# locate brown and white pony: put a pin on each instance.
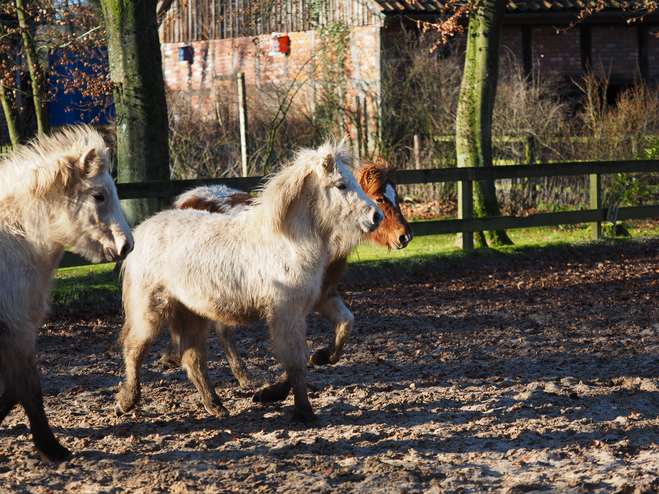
(378, 179)
(55, 192)
(263, 262)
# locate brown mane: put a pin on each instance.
(374, 175)
(213, 206)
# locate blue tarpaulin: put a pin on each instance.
(71, 107)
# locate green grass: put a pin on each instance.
(428, 248)
(97, 287)
(87, 287)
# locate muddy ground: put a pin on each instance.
(535, 372)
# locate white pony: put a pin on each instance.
(55, 192)
(265, 262)
(378, 180)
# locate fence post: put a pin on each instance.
(595, 203)
(417, 151)
(466, 211)
(242, 111)
(529, 149)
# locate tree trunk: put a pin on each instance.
(12, 116)
(8, 99)
(38, 78)
(476, 104)
(139, 98)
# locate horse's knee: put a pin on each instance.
(227, 339)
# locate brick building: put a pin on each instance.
(206, 42)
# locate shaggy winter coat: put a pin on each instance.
(265, 262)
(54, 193)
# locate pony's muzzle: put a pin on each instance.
(123, 248)
(126, 249)
(403, 240)
(376, 220)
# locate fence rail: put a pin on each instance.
(466, 223)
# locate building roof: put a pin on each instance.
(434, 7)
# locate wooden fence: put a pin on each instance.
(465, 177)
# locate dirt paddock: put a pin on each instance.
(524, 373)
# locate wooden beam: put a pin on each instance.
(595, 203)
(440, 227)
(466, 212)
(525, 171)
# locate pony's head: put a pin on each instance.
(378, 179)
(66, 176)
(320, 180)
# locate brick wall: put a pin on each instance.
(210, 77)
(614, 47)
(653, 51)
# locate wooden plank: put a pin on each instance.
(526, 171)
(466, 212)
(595, 203)
(440, 227)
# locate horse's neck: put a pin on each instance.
(309, 225)
(33, 221)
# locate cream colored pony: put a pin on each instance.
(54, 193)
(378, 180)
(265, 262)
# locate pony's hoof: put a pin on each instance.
(54, 453)
(307, 417)
(245, 380)
(321, 357)
(169, 361)
(275, 392)
(217, 410)
(118, 411)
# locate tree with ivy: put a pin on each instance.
(139, 98)
(473, 126)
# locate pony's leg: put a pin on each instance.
(141, 328)
(171, 359)
(18, 372)
(334, 310)
(290, 347)
(228, 341)
(31, 397)
(274, 392)
(194, 331)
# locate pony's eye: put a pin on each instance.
(341, 186)
(98, 197)
(380, 200)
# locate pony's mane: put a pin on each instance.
(284, 187)
(375, 175)
(51, 159)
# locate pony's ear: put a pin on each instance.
(90, 163)
(329, 165)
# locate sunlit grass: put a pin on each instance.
(523, 238)
(87, 286)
